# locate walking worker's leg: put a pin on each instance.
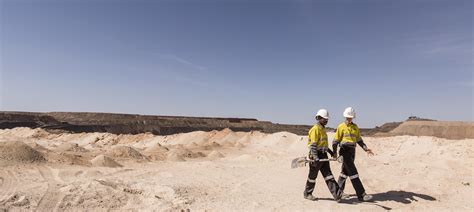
(353, 174)
(343, 176)
(330, 181)
(311, 181)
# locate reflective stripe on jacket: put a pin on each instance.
(347, 133)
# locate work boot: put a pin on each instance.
(310, 197)
(341, 197)
(365, 197)
(345, 196)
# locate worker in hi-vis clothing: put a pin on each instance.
(347, 136)
(318, 148)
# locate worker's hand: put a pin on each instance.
(313, 158)
(369, 152)
(313, 152)
(313, 155)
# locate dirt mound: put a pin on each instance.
(70, 147)
(104, 161)
(157, 148)
(69, 158)
(215, 155)
(40, 148)
(126, 152)
(174, 156)
(18, 151)
(210, 145)
(185, 152)
(380, 131)
(441, 129)
(157, 152)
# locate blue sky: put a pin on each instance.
(272, 60)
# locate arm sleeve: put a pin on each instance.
(313, 136)
(359, 137)
(334, 149)
(336, 140)
(362, 144)
(313, 147)
(360, 141)
(337, 136)
(313, 139)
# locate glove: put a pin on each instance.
(313, 154)
(334, 147)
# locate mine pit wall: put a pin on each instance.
(135, 124)
(167, 125)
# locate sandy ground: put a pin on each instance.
(222, 171)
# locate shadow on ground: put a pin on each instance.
(404, 197)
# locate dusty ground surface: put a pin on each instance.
(222, 171)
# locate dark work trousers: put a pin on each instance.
(325, 169)
(349, 170)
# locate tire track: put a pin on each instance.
(52, 197)
(7, 186)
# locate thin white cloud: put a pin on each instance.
(181, 61)
(444, 49)
(440, 44)
(182, 77)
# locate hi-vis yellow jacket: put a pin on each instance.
(347, 133)
(317, 136)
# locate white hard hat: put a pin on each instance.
(323, 113)
(349, 113)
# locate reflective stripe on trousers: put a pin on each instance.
(349, 170)
(354, 176)
(329, 177)
(350, 177)
(325, 170)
